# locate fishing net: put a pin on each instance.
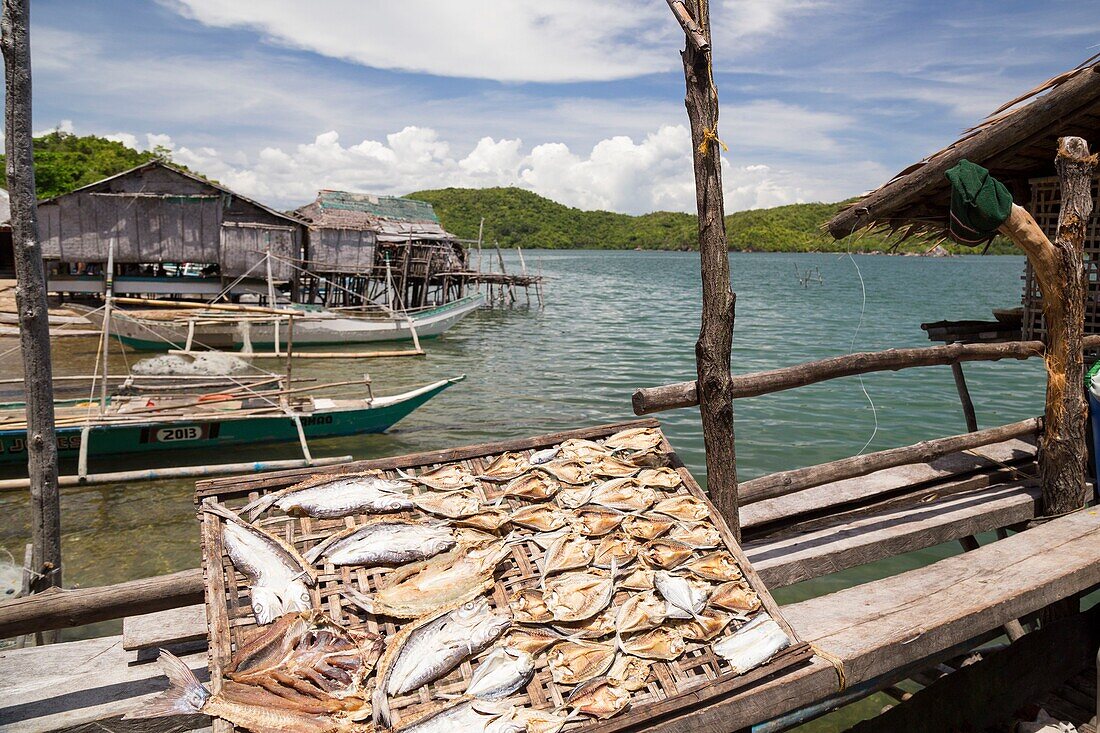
(213, 364)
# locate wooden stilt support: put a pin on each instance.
(964, 397)
(712, 350)
(30, 296)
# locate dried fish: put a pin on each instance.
(623, 494)
(450, 504)
(662, 643)
(634, 439)
(328, 497)
(601, 698)
(529, 607)
(596, 521)
(487, 519)
(573, 662)
(574, 497)
(277, 575)
(640, 577)
(445, 580)
(659, 478)
(542, 517)
(753, 644)
(383, 542)
(534, 486)
(506, 467)
(611, 467)
(501, 673)
(577, 596)
(519, 719)
(430, 647)
(449, 477)
(736, 595)
(704, 626)
(642, 527)
(683, 506)
(687, 599)
(602, 624)
(615, 549)
(531, 639)
(665, 553)
(545, 455)
(697, 535)
(586, 450)
(718, 565)
(568, 470)
(630, 673)
(568, 552)
(447, 717)
(641, 612)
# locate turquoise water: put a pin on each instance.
(615, 321)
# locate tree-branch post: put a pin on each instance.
(1059, 270)
(30, 295)
(712, 350)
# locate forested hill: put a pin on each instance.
(514, 216)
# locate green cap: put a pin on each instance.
(979, 204)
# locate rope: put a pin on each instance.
(855, 335)
(709, 136)
(838, 666)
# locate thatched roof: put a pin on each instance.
(1016, 143)
(391, 218)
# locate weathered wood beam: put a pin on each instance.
(60, 609)
(712, 350)
(788, 482)
(30, 295)
(691, 29)
(648, 400)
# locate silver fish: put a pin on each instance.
(448, 717)
(384, 542)
(501, 673)
(329, 497)
(753, 644)
(685, 599)
(278, 576)
(546, 455)
(429, 648)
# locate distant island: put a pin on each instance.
(514, 216)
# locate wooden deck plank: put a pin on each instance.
(164, 628)
(786, 560)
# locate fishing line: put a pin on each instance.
(855, 335)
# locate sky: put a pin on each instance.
(578, 101)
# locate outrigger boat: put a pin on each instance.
(147, 423)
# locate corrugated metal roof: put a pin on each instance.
(393, 208)
(392, 218)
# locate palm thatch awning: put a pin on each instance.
(1016, 143)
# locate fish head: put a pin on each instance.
(488, 628)
(267, 605)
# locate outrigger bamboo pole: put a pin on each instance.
(30, 295)
(712, 350)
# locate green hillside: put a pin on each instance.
(514, 217)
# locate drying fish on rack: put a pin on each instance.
(585, 450)
(737, 596)
(531, 639)
(450, 477)
(697, 535)
(682, 506)
(568, 470)
(641, 612)
(665, 553)
(643, 527)
(601, 698)
(634, 439)
(577, 596)
(573, 662)
(596, 521)
(685, 599)
(663, 643)
(541, 517)
(753, 644)
(534, 486)
(568, 552)
(490, 519)
(545, 455)
(278, 576)
(502, 672)
(615, 549)
(329, 497)
(457, 504)
(704, 626)
(611, 467)
(505, 467)
(659, 478)
(529, 607)
(639, 577)
(718, 565)
(389, 542)
(630, 673)
(447, 717)
(574, 497)
(432, 646)
(623, 494)
(600, 625)
(444, 580)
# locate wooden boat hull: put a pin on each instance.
(223, 430)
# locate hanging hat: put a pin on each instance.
(979, 204)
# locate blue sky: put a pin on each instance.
(579, 101)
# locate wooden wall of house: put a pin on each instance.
(346, 251)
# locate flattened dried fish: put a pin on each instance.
(501, 673)
(568, 552)
(586, 450)
(602, 624)
(487, 519)
(528, 720)
(700, 536)
(665, 553)
(638, 578)
(545, 455)
(596, 521)
(659, 478)
(683, 506)
(542, 517)
(447, 717)
(623, 494)
(601, 698)
(705, 626)
(430, 647)
(531, 639)
(630, 673)
(753, 644)
(450, 477)
(642, 527)
(506, 467)
(641, 612)
(383, 542)
(616, 549)
(573, 662)
(450, 504)
(718, 565)
(445, 580)
(662, 643)
(328, 497)
(277, 575)
(634, 439)
(611, 467)
(577, 596)
(534, 486)
(568, 470)
(736, 595)
(573, 497)
(529, 607)
(687, 599)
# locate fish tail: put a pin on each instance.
(380, 707)
(185, 694)
(360, 599)
(220, 510)
(259, 506)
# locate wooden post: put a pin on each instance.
(1059, 270)
(30, 295)
(964, 396)
(712, 350)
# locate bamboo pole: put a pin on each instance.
(193, 305)
(712, 350)
(30, 295)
